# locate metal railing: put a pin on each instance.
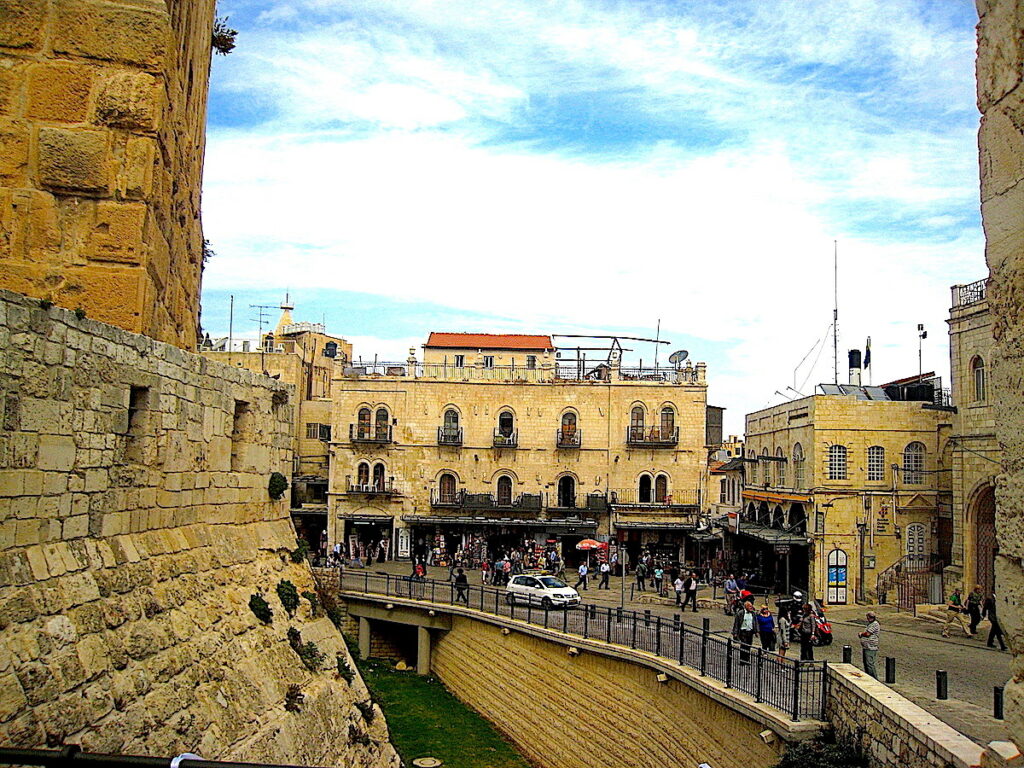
(566, 439)
(449, 435)
(631, 497)
(488, 501)
(652, 437)
(505, 440)
(372, 488)
(71, 755)
(911, 580)
(555, 370)
(792, 686)
(972, 293)
(369, 433)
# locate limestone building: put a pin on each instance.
(843, 485)
(975, 451)
(302, 354)
(494, 442)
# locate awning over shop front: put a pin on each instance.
(546, 524)
(309, 510)
(703, 536)
(648, 525)
(383, 519)
(777, 498)
(772, 535)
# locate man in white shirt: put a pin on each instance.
(583, 576)
(606, 571)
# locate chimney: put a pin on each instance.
(855, 367)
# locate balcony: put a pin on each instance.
(506, 439)
(566, 439)
(652, 437)
(449, 435)
(486, 502)
(972, 293)
(370, 433)
(378, 488)
(446, 499)
(632, 497)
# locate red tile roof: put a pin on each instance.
(488, 341)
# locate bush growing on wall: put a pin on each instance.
(261, 609)
(288, 595)
(822, 752)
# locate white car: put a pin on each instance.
(545, 591)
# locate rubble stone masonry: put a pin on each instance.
(102, 133)
(1000, 70)
(135, 524)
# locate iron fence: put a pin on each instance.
(792, 686)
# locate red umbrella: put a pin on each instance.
(588, 544)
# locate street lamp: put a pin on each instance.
(862, 528)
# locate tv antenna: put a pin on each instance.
(677, 358)
(262, 311)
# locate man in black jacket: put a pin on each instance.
(996, 632)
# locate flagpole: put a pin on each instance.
(835, 311)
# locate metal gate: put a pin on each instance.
(985, 540)
(837, 577)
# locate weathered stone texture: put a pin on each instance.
(133, 531)
(101, 102)
(1001, 101)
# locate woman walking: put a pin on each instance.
(766, 628)
(784, 625)
(807, 626)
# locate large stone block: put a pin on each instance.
(13, 153)
(112, 294)
(117, 233)
(107, 31)
(128, 100)
(21, 23)
(74, 160)
(59, 92)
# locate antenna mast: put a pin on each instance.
(657, 338)
(835, 311)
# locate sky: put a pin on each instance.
(586, 166)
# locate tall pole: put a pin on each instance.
(657, 338)
(231, 326)
(835, 311)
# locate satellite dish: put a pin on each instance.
(676, 358)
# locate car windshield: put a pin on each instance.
(551, 581)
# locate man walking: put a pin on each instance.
(996, 632)
(690, 592)
(679, 585)
(641, 576)
(807, 626)
(743, 630)
(955, 612)
(582, 571)
(606, 571)
(461, 587)
(974, 601)
(869, 644)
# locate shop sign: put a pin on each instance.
(882, 522)
(734, 522)
(782, 549)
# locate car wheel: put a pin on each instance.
(510, 598)
(546, 604)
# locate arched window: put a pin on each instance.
(363, 474)
(978, 374)
(668, 422)
(378, 476)
(766, 466)
(780, 468)
(644, 490)
(636, 424)
(506, 423)
(451, 419)
(505, 491)
(447, 488)
(381, 424)
(798, 466)
(753, 467)
(876, 463)
(837, 462)
(913, 464)
(569, 423)
(661, 489)
(567, 491)
(363, 426)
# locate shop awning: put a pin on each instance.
(648, 525)
(546, 524)
(777, 498)
(772, 535)
(703, 536)
(384, 519)
(309, 510)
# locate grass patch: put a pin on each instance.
(425, 719)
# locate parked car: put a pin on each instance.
(545, 591)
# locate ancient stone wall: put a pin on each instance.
(135, 525)
(1000, 71)
(102, 120)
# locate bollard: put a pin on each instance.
(890, 670)
(847, 654)
(997, 702)
(941, 685)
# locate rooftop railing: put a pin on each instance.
(556, 371)
(972, 293)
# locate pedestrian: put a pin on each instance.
(679, 585)
(485, 570)
(506, 571)
(731, 591)
(869, 644)
(807, 626)
(461, 586)
(743, 626)
(582, 570)
(989, 610)
(606, 571)
(689, 592)
(974, 601)
(785, 628)
(955, 613)
(420, 572)
(659, 579)
(641, 576)
(766, 628)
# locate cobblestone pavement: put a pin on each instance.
(916, 644)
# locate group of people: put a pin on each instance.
(775, 632)
(977, 606)
(497, 571)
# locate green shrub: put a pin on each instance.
(311, 656)
(277, 485)
(314, 603)
(261, 608)
(822, 752)
(288, 595)
(293, 698)
(366, 708)
(345, 671)
(301, 551)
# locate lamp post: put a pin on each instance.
(862, 528)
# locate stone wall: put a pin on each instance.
(591, 709)
(135, 524)
(1001, 143)
(890, 729)
(102, 120)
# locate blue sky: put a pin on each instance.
(577, 166)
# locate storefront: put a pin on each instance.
(368, 537)
(666, 542)
(311, 526)
(778, 558)
(442, 540)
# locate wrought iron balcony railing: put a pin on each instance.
(972, 293)
(506, 439)
(633, 497)
(486, 501)
(378, 488)
(652, 437)
(565, 438)
(439, 498)
(449, 435)
(370, 433)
